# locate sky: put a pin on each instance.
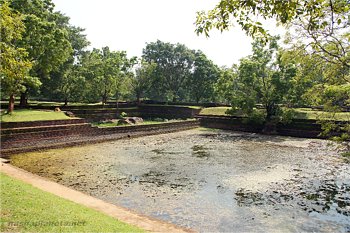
(129, 24)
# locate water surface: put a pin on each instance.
(211, 180)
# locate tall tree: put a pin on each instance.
(14, 66)
(106, 71)
(45, 40)
(174, 66)
(224, 85)
(261, 79)
(65, 81)
(141, 81)
(318, 27)
(205, 75)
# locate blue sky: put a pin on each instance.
(128, 25)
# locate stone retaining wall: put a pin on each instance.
(82, 134)
(297, 128)
(10, 125)
(169, 112)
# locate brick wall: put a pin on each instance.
(10, 125)
(20, 141)
(297, 128)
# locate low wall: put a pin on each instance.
(83, 134)
(169, 112)
(228, 123)
(97, 113)
(10, 125)
(297, 128)
(145, 128)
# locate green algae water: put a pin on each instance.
(211, 181)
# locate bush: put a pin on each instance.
(256, 117)
(122, 115)
(287, 115)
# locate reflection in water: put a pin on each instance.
(211, 181)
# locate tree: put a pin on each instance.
(14, 66)
(261, 79)
(174, 66)
(67, 81)
(224, 85)
(318, 27)
(141, 81)
(105, 72)
(45, 39)
(249, 13)
(205, 74)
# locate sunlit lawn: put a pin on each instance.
(307, 113)
(32, 115)
(25, 208)
(220, 111)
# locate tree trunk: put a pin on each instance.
(104, 100)
(24, 100)
(138, 96)
(11, 106)
(65, 102)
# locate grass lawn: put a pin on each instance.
(52, 103)
(25, 208)
(220, 111)
(307, 113)
(32, 115)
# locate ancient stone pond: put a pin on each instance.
(211, 180)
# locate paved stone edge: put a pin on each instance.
(120, 213)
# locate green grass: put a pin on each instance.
(220, 111)
(32, 115)
(307, 113)
(25, 208)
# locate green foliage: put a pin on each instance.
(45, 40)
(261, 79)
(67, 82)
(256, 117)
(180, 73)
(224, 85)
(142, 80)
(287, 115)
(174, 65)
(205, 75)
(316, 13)
(14, 65)
(106, 73)
(123, 114)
